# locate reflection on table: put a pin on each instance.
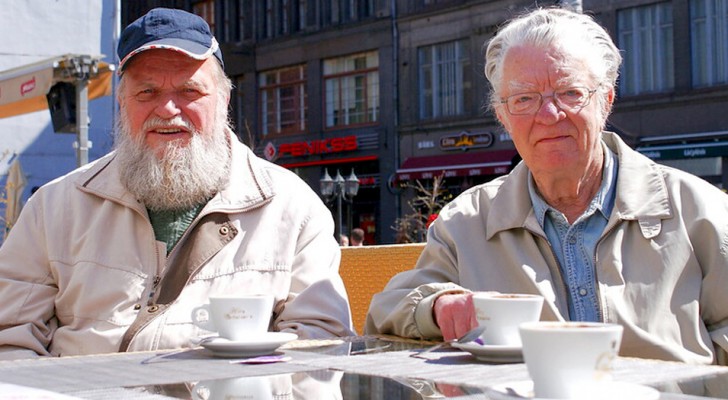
(351, 369)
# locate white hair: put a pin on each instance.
(555, 27)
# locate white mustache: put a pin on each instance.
(178, 121)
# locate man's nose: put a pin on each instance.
(550, 111)
(168, 107)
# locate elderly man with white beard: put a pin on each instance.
(115, 255)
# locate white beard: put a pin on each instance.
(176, 177)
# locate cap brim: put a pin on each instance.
(186, 47)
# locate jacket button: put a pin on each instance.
(153, 309)
(224, 230)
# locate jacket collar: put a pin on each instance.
(641, 194)
(249, 183)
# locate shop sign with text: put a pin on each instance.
(311, 148)
(466, 140)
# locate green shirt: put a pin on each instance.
(170, 225)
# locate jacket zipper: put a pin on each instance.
(155, 285)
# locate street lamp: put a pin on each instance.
(341, 189)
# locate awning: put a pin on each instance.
(693, 145)
(451, 165)
(680, 151)
(23, 89)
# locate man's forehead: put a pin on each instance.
(162, 59)
(184, 71)
(557, 76)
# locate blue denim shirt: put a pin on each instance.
(575, 245)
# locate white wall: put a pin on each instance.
(34, 30)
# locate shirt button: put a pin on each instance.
(137, 306)
(582, 292)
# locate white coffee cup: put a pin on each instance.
(502, 313)
(252, 387)
(235, 317)
(565, 358)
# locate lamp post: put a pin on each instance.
(342, 190)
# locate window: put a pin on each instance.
(231, 27)
(645, 37)
(445, 83)
(300, 13)
(335, 12)
(352, 90)
(283, 101)
(206, 10)
(709, 41)
(269, 18)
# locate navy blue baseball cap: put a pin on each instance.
(169, 29)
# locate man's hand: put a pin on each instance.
(455, 314)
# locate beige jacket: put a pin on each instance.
(662, 262)
(81, 271)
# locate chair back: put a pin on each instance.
(365, 271)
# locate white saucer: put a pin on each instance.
(257, 345)
(599, 391)
(492, 353)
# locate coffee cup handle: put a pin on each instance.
(203, 311)
(199, 387)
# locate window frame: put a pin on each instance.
(708, 52)
(371, 99)
(436, 102)
(649, 56)
(299, 123)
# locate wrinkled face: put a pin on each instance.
(172, 133)
(167, 96)
(553, 139)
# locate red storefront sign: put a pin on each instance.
(312, 147)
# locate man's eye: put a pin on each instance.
(524, 98)
(145, 94)
(191, 93)
(573, 93)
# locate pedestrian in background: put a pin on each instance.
(357, 237)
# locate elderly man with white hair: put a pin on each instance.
(601, 232)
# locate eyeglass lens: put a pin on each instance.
(529, 103)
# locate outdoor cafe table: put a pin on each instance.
(362, 367)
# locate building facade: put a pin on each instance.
(393, 90)
(673, 89)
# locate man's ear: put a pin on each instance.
(608, 102)
(610, 97)
(502, 117)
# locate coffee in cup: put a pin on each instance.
(235, 317)
(565, 358)
(502, 313)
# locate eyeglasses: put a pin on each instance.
(529, 103)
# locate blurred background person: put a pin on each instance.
(357, 237)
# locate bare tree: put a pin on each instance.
(424, 208)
